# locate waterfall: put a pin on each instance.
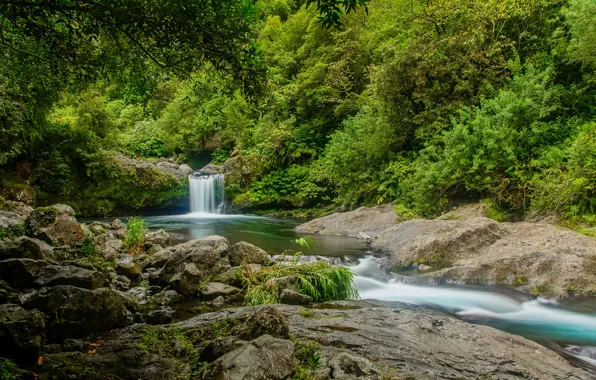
(207, 193)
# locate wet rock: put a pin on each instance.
(265, 358)
(128, 266)
(217, 289)
(120, 282)
(22, 334)
(55, 225)
(139, 293)
(26, 247)
(292, 297)
(187, 269)
(366, 220)
(159, 237)
(243, 252)
(73, 312)
(424, 268)
(70, 345)
(167, 297)
(346, 366)
(266, 320)
(21, 273)
(160, 317)
(219, 301)
(291, 260)
(52, 275)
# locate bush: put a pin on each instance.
(148, 139)
(135, 235)
(319, 280)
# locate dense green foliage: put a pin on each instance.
(420, 103)
(135, 234)
(319, 280)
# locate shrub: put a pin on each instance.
(135, 235)
(319, 280)
(8, 370)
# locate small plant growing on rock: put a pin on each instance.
(8, 369)
(135, 235)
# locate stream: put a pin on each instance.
(568, 327)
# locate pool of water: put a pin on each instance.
(272, 235)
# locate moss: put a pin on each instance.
(520, 281)
(12, 231)
(169, 342)
(541, 290)
(305, 313)
(494, 212)
(573, 290)
(308, 355)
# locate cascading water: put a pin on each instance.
(207, 194)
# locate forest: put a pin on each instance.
(426, 104)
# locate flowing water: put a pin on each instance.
(207, 193)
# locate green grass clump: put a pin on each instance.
(8, 370)
(135, 235)
(320, 280)
(308, 354)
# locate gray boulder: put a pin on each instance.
(18, 208)
(364, 220)
(243, 252)
(216, 289)
(21, 273)
(22, 334)
(26, 247)
(157, 259)
(159, 237)
(211, 169)
(187, 269)
(127, 265)
(292, 297)
(11, 224)
(266, 320)
(265, 358)
(52, 275)
(165, 298)
(346, 366)
(73, 312)
(55, 225)
(217, 243)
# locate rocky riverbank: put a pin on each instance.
(466, 247)
(75, 303)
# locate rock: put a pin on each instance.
(187, 269)
(157, 260)
(211, 169)
(436, 242)
(370, 221)
(469, 211)
(110, 247)
(266, 320)
(117, 224)
(217, 289)
(160, 317)
(165, 298)
(291, 260)
(537, 257)
(291, 297)
(11, 224)
(120, 282)
(346, 366)
(128, 266)
(52, 275)
(265, 358)
(7, 294)
(70, 345)
(26, 247)
(159, 237)
(75, 312)
(21, 273)
(139, 293)
(219, 301)
(218, 243)
(19, 208)
(219, 347)
(22, 334)
(230, 276)
(55, 225)
(53, 348)
(424, 268)
(243, 252)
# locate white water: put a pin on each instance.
(539, 319)
(206, 194)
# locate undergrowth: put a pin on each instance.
(319, 280)
(8, 370)
(135, 235)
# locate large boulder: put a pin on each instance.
(75, 312)
(18, 208)
(22, 334)
(211, 169)
(187, 270)
(218, 243)
(21, 273)
(157, 260)
(52, 275)
(128, 266)
(243, 252)
(347, 367)
(363, 221)
(266, 320)
(159, 237)
(26, 247)
(55, 224)
(265, 358)
(216, 289)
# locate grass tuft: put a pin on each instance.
(135, 235)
